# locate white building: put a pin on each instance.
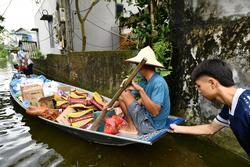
(102, 32)
(24, 35)
(12, 38)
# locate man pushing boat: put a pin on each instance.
(151, 110)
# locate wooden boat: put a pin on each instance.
(119, 139)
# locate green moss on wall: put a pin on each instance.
(95, 71)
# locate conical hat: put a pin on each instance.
(149, 54)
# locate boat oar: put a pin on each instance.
(98, 120)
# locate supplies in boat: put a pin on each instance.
(46, 101)
(113, 124)
(74, 107)
(80, 118)
(43, 111)
(77, 107)
(63, 117)
(32, 93)
(79, 114)
(76, 119)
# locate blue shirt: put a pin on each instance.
(21, 55)
(238, 118)
(157, 90)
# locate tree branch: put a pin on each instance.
(90, 8)
(78, 11)
(152, 17)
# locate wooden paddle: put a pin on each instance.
(98, 120)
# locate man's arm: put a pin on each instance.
(26, 57)
(152, 107)
(206, 129)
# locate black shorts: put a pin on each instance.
(29, 70)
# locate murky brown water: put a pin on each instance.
(27, 141)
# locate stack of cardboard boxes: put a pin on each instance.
(32, 93)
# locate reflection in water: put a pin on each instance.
(16, 144)
(22, 138)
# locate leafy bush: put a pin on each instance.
(37, 54)
(163, 51)
(3, 52)
(156, 35)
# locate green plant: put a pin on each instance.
(3, 52)
(163, 51)
(36, 54)
(151, 27)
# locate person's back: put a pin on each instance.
(29, 63)
(25, 63)
(21, 57)
(237, 117)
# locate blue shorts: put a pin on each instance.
(139, 118)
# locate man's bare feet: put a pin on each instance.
(130, 129)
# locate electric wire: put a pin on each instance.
(7, 8)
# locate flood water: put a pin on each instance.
(28, 141)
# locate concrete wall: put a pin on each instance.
(94, 71)
(101, 28)
(43, 28)
(205, 29)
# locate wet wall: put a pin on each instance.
(94, 71)
(203, 29)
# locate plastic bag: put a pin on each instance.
(112, 124)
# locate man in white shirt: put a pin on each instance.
(25, 62)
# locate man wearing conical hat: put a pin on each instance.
(150, 112)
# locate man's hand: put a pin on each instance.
(130, 88)
(136, 86)
(174, 128)
(105, 107)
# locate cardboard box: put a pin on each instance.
(32, 93)
(63, 118)
(46, 101)
(64, 88)
(30, 86)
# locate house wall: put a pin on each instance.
(205, 29)
(99, 27)
(13, 37)
(43, 28)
